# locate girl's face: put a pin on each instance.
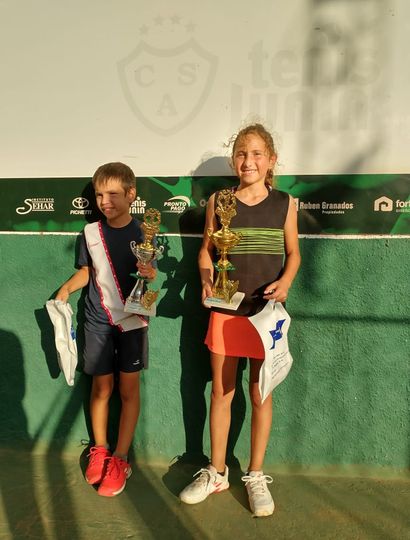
(251, 159)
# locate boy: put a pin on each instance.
(114, 340)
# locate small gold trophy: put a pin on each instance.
(138, 301)
(224, 291)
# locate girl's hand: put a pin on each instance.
(278, 291)
(206, 292)
(146, 270)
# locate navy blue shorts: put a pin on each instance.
(115, 351)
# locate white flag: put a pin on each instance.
(60, 314)
(272, 325)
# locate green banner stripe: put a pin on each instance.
(351, 204)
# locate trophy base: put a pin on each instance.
(139, 309)
(236, 299)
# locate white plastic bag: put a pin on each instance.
(272, 325)
(60, 314)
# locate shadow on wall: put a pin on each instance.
(183, 278)
(206, 180)
(95, 214)
(25, 519)
(344, 80)
(213, 166)
(14, 430)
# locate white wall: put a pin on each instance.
(161, 85)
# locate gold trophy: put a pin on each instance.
(224, 291)
(139, 301)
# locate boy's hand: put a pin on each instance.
(147, 270)
(62, 294)
(77, 281)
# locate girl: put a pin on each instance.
(266, 261)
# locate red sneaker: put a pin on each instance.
(116, 476)
(97, 464)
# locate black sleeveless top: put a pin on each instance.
(258, 257)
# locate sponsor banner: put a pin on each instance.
(326, 204)
(351, 204)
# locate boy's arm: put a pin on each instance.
(77, 281)
(147, 270)
(205, 260)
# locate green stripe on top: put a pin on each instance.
(259, 240)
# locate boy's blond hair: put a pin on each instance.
(115, 170)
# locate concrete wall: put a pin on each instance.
(345, 402)
(162, 86)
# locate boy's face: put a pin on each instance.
(113, 201)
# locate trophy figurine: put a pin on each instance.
(140, 302)
(224, 291)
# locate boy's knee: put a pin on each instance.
(129, 387)
(102, 387)
(102, 392)
(129, 396)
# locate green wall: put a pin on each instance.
(345, 402)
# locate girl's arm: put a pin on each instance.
(205, 257)
(278, 290)
(77, 281)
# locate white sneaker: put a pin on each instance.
(260, 499)
(208, 481)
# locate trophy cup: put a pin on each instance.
(224, 291)
(140, 302)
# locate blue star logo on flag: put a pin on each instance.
(277, 334)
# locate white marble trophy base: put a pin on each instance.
(134, 307)
(236, 299)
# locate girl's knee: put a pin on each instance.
(221, 396)
(256, 400)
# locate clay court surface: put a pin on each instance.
(46, 497)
